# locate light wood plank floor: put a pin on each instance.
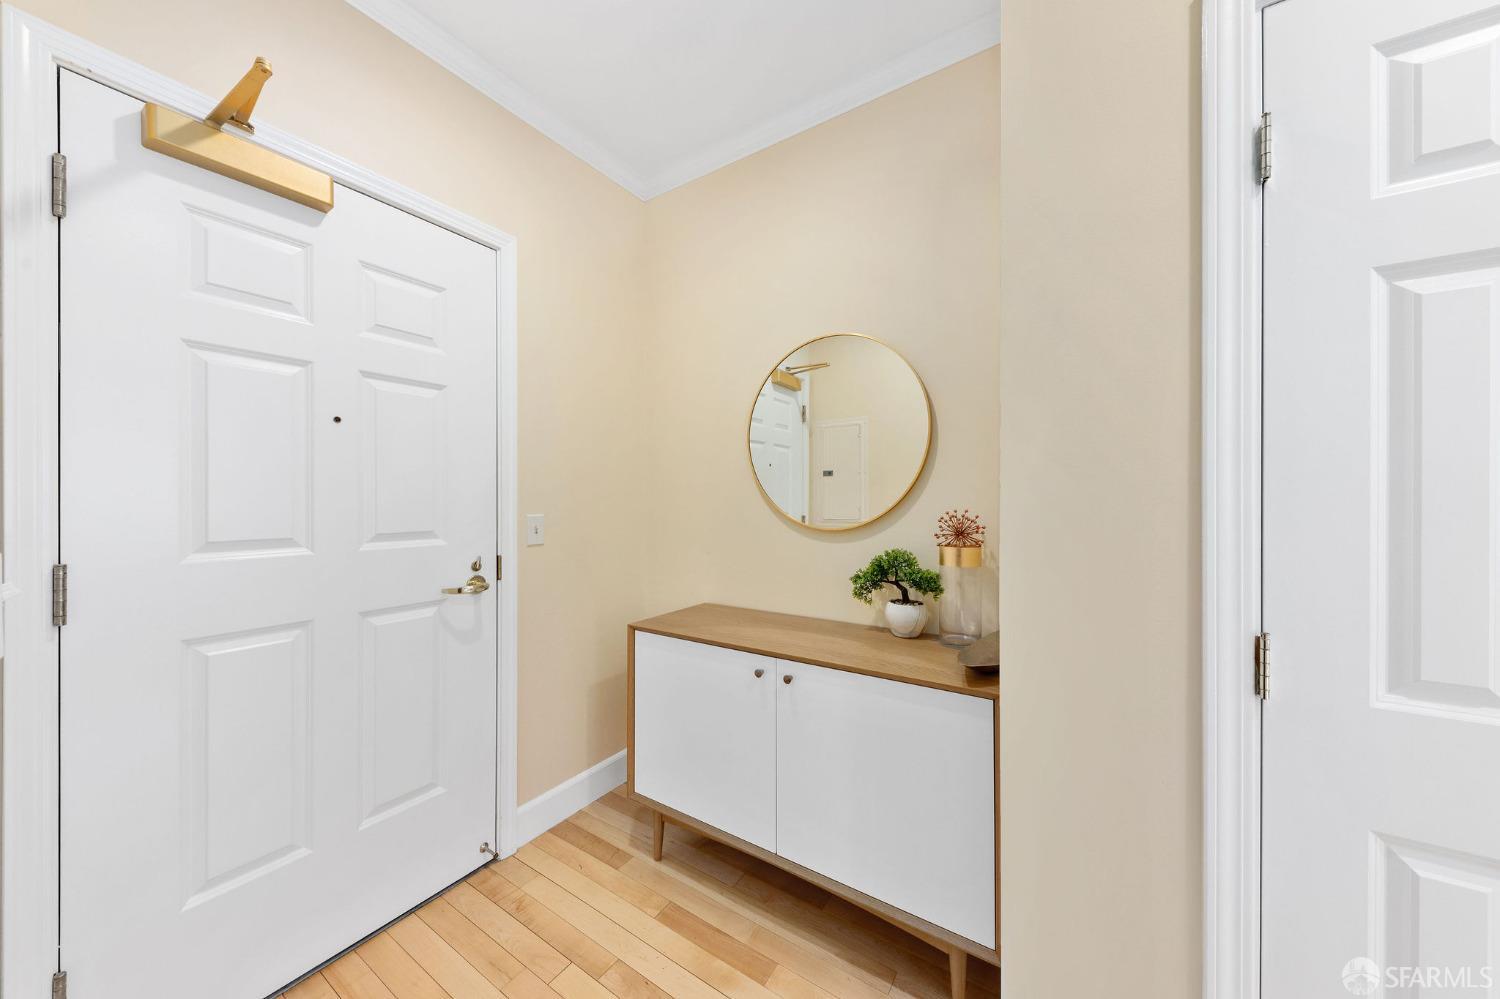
(583, 912)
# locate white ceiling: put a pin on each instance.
(655, 93)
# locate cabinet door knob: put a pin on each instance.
(787, 678)
(759, 673)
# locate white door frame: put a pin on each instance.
(31, 52)
(1231, 375)
(804, 399)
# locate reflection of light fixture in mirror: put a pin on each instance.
(838, 451)
(786, 381)
(787, 377)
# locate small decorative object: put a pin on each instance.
(897, 567)
(984, 655)
(959, 530)
(960, 538)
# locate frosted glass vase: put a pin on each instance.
(961, 607)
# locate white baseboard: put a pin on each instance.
(551, 807)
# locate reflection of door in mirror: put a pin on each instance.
(779, 446)
(840, 468)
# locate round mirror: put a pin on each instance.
(839, 432)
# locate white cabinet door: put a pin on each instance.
(705, 734)
(889, 788)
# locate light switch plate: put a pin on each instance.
(536, 529)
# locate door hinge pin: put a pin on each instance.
(59, 595)
(59, 185)
(1263, 149)
(1263, 665)
(485, 848)
(60, 985)
(499, 567)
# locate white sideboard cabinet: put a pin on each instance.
(862, 762)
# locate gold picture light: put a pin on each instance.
(787, 377)
(205, 144)
(237, 106)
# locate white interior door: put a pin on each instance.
(1382, 490)
(841, 476)
(278, 444)
(705, 734)
(778, 448)
(889, 788)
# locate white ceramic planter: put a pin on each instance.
(905, 620)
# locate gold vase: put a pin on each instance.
(963, 558)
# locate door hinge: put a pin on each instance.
(59, 185)
(60, 985)
(804, 414)
(59, 595)
(1263, 148)
(499, 567)
(1263, 665)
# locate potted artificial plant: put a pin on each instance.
(905, 616)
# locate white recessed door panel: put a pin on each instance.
(841, 475)
(278, 446)
(705, 734)
(1382, 491)
(889, 788)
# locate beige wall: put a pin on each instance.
(1099, 515)
(346, 84)
(883, 221)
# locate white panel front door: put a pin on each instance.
(278, 444)
(889, 788)
(705, 734)
(778, 448)
(1382, 495)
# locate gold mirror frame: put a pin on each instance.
(921, 466)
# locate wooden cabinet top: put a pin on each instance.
(857, 648)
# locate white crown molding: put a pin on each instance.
(938, 54)
(423, 34)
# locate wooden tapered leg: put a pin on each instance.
(958, 972)
(658, 833)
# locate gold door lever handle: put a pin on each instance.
(476, 584)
